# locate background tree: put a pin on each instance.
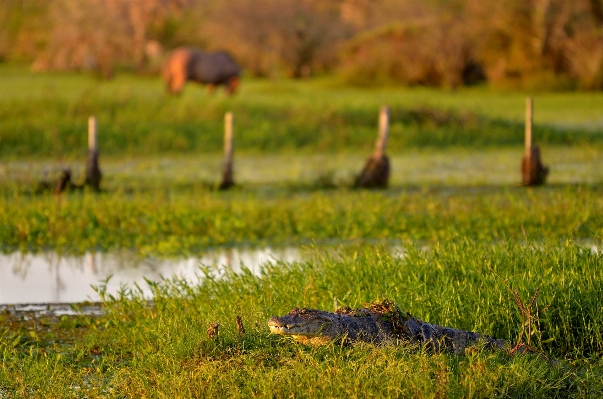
(102, 34)
(272, 36)
(518, 43)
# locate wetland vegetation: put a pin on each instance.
(470, 235)
(47, 117)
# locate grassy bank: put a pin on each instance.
(139, 351)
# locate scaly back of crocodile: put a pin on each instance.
(378, 322)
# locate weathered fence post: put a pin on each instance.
(376, 171)
(93, 173)
(532, 171)
(528, 127)
(383, 132)
(227, 174)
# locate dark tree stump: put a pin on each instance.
(375, 173)
(63, 182)
(93, 172)
(227, 178)
(532, 171)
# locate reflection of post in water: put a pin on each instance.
(91, 260)
(54, 265)
(21, 265)
(57, 292)
(58, 284)
(229, 256)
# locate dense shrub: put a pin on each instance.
(410, 53)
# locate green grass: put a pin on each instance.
(139, 351)
(171, 223)
(46, 115)
(467, 229)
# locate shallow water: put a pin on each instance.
(51, 278)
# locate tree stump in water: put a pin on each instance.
(376, 171)
(64, 181)
(93, 173)
(532, 171)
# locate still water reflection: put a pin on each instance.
(50, 278)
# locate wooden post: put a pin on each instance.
(383, 132)
(92, 133)
(93, 173)
(528, 127)
(532, 171)
(376, 171)
(227, 174)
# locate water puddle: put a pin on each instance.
(48, 278)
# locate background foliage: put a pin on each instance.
(552, 44)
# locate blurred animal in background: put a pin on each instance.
(213, 69)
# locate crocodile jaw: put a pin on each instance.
(299, 329)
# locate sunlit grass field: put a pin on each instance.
(191, 219)
(46, 115)
(137, 350)
(469, 233)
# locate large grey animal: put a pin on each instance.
(379, 322)
(214, 69)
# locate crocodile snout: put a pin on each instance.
(276, 326)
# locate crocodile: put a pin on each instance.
(379, 322)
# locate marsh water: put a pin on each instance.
(49, 278)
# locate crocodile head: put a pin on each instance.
(306, 325)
